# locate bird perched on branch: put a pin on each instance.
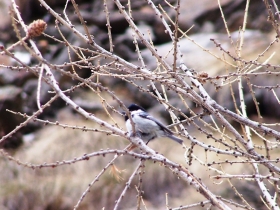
(146, 126)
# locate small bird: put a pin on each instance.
(146, 126)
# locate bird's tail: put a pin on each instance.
(180, 141)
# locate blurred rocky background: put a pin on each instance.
(61, 188)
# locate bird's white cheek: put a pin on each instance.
(128, 126)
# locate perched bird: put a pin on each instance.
(146, 126)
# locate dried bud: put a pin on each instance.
(202, 76)
(36, 28)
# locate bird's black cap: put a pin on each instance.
(134, 107)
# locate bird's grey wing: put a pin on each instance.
(168, 133)
(149, 117)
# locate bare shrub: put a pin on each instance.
(229, 159)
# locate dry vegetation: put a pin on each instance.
(80, 157)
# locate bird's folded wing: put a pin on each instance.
(147, 116)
